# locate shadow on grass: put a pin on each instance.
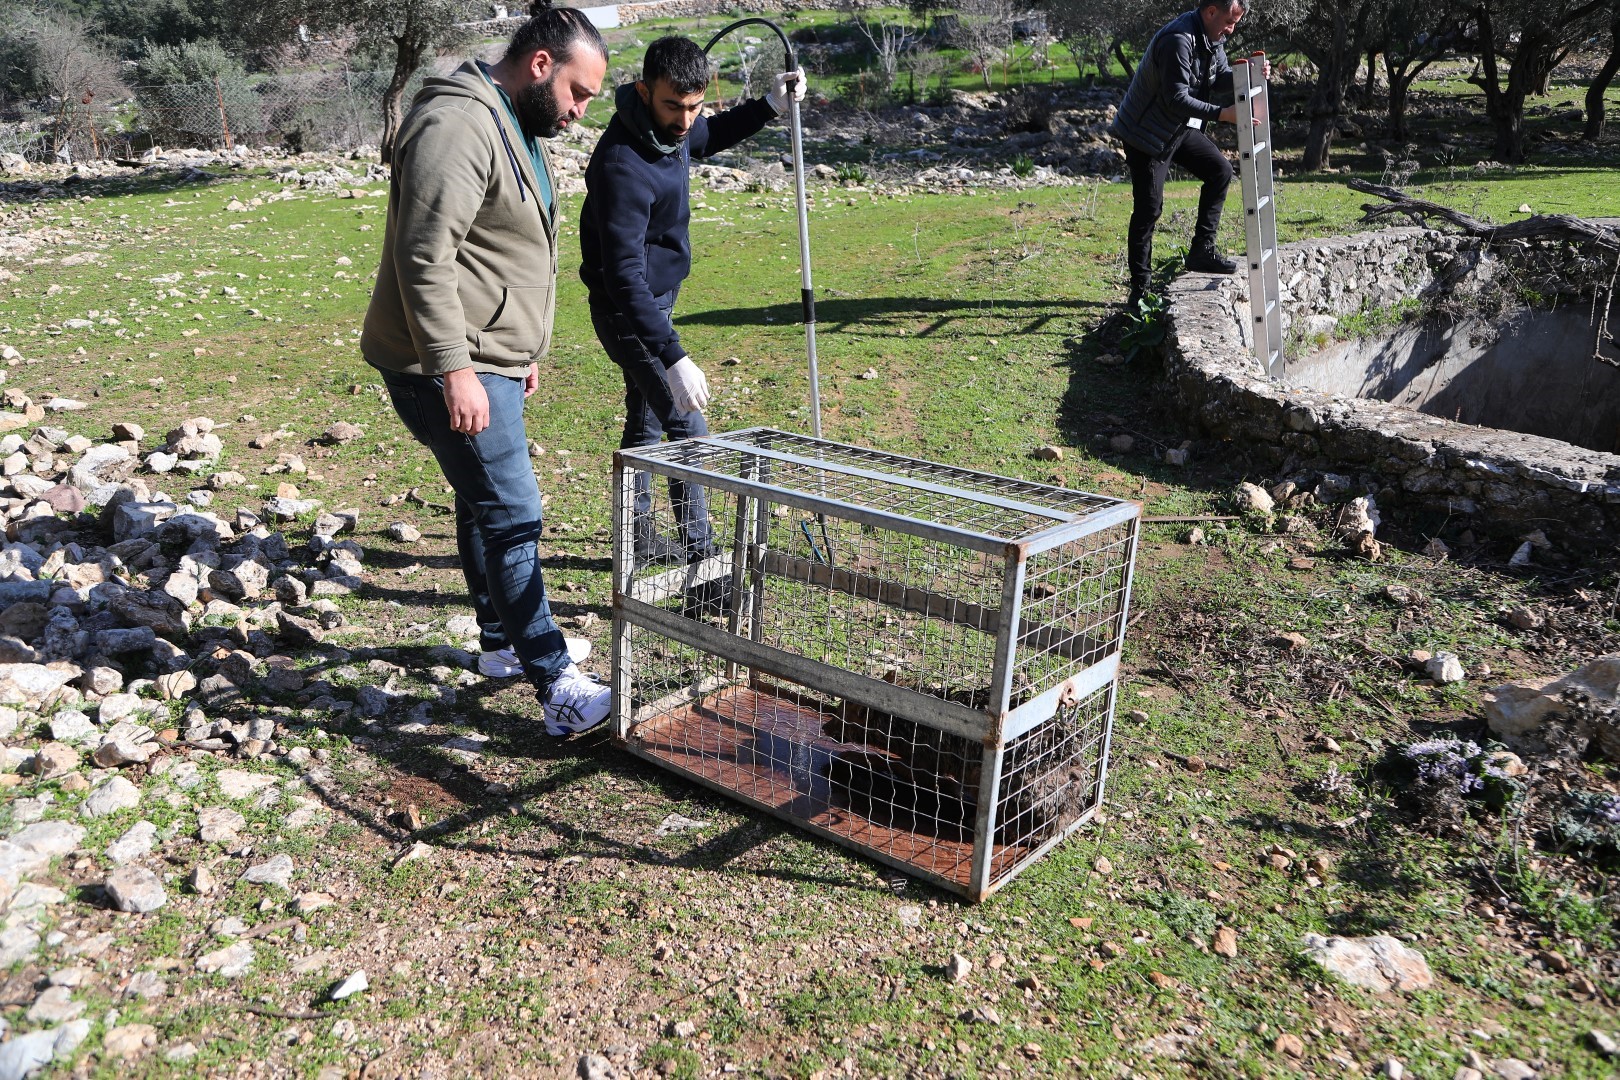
(1105, 400)
(154, 178)
(426, 770)
(880, 314)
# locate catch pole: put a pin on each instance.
(807, 289)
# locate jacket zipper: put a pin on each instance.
(511, 157)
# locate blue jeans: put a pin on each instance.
(649, 415)
(497, 515)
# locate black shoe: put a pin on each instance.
(1204, 259)
(658, 551)
(707, 599)
(1133, 304)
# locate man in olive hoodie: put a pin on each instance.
(462, 312)
(633, 237)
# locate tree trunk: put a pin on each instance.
(1487, 80)
(1527, 71)
(1398, 85)
(1530, 65)
(393, 110)
(1124, 61)
(1371, 93)
(1327, 99)
(1509, 122)
(408, 52)
(1400, 76)
(1600, 84)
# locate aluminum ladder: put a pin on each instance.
(1259, 209)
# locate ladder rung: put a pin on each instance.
(1271, 305)
(1261, 205)
(1274, 355)
(1259, 146)
(1264, 255)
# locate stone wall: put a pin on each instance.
(676, 9)
(1499, 482)
(671, 9)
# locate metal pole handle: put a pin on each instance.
(807, 290)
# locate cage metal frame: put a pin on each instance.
(1059, 516)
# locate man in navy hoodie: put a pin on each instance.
(633, 237)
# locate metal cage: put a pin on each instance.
(915, 660)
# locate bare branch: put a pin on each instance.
(1560, 226)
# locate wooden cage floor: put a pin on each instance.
(771, 750)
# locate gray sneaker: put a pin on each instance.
(575, 702)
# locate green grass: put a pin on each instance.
(977, 312)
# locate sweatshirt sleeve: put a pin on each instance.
(443, 174)
(712, 134)
(1177, 88)
(622, 208)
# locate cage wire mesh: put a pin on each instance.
(916, 660)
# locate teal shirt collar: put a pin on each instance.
(542, 176)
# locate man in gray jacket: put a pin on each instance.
(1174, 93)
(462, 312)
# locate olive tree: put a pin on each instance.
(1529, 38)
(1603, 79)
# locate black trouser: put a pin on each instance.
(1195, 152)
(649, 415)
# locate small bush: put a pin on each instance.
(1145, 327)
(1449, 780)
(184, 89)
(1374, 320)
(1589, 824)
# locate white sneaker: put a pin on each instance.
(504, 663)
(576, 702)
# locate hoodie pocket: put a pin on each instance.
(520, 328)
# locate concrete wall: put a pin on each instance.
(1496, 481)
(1533, 373)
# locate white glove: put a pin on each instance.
(778, 94)
(688, 386)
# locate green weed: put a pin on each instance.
(1375, 320)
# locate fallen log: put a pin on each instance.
(1558, 226)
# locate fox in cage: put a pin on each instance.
(917, 776)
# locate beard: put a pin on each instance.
(665, 133)
(668, 135)
(538, 110)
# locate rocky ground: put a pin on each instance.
(172, 675)
(261, 817)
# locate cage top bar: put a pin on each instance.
(998, 507)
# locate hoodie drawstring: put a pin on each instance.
(511, 155)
